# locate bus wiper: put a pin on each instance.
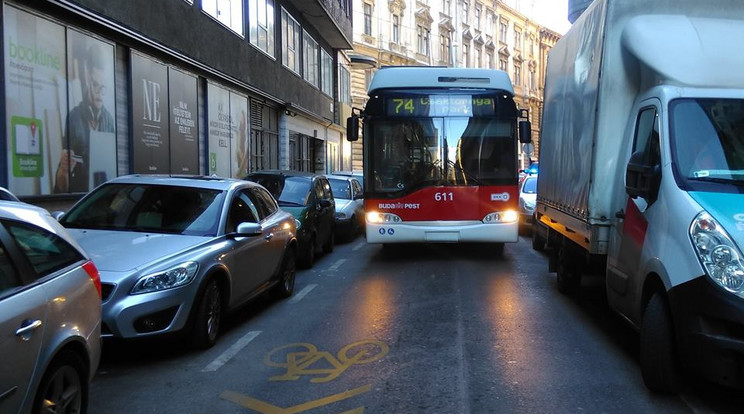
(459, 170)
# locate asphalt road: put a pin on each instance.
(417, 329)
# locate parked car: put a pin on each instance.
(527, 200)
(349, 205)
(50, 314)
(309, 198)
(6, 195)
(359, 175)
(176, 253)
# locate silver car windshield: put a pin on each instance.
(149, 208)
(340, 188)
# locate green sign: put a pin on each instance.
(27, 150)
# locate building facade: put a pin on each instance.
(93, 89)
(457, 33)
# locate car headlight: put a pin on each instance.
(718, 254)
(508, 216)
(167, 279)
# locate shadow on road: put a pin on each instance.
(407, 252)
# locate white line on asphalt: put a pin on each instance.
(231, 352)
(359, 246)
(296, 298)
(336, 265)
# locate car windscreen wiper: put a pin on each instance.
(289, 203)
(709, 179)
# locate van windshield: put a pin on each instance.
(707, 139)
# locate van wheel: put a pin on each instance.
(287, 273)
(64, 387)
(208, 316)
(659, 363)
(568, 276)
(538, 242)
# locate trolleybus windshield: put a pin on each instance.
(451, 140)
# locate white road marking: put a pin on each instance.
(359, 245)
(296, 298)
(336, 265)
(231, 352)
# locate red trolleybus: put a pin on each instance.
(440, 155)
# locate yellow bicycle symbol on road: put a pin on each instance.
(305, 359)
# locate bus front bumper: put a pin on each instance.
(438, 232)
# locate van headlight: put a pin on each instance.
(174, 277)
(718, 254)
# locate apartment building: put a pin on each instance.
(457, 33)
(93, 89)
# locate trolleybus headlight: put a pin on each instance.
(718, 254)
(508, 216)
(377, 217)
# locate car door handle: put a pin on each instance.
(28, 326)
(269, 236)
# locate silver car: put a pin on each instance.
(527, 200)
(176, 253)
(50, 314)
(349, 205)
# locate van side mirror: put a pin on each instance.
(352, 128)
(525, 132)
(642, 180)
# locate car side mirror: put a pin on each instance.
(642, 180)
(247, 229)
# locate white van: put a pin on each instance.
(642, 176)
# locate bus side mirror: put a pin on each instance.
(525, 132)
(352, 128)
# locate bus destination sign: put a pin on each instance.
(440, 105)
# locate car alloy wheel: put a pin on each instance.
(288, 273)
(208, 316)
(309, 258)
(63, 390)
